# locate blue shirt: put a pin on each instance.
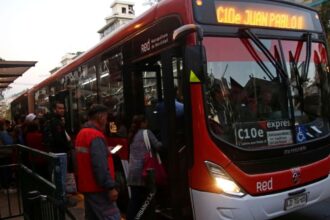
(6, 138)
(179, 108)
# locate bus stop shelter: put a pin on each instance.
(11, 70)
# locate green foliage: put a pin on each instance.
(325, 19)
(325, 16)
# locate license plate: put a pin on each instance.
(295, 201)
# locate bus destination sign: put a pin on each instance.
(257, 14)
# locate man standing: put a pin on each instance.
(57, 140)
(95, 170)
(55, 137)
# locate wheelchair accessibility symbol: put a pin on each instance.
(301, 134)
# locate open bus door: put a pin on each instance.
(158, 81)
(175, 90)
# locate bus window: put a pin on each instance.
(250, 101)
(72, 85)
(177, 74)
(177, 65)
(87, 90)
(19, 106)
(152, 90)
(111, 94)
(42, 102)
(64, 90)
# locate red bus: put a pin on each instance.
(19, 106)
(253, 142)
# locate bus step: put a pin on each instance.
(164, 213)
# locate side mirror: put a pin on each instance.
(184, 30)
(195, 55)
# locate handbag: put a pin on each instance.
(152, 162)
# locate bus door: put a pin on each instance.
(162, 85)
(152, 95)
(176, 117)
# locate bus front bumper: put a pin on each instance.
(219, 206)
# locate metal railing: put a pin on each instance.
(39, 194)
(45, 207)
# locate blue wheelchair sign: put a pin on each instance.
(301, 134)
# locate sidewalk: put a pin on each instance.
(9, 205)
(11, 200)
(79, 210)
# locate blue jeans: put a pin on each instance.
(63, 169)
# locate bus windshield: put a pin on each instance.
(253, 103)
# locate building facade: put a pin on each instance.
(122, 12)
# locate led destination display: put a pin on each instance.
(231, 15)
(256, 14)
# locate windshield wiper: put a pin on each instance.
(256, 57)
(278, 66)
(308, 55)
(298, 79)
(267, 53)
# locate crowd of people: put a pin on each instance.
(93, 164)
(95, 167)
(45, 134)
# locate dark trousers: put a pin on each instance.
(99, 207)
(138, 196)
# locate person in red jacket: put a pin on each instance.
(95, 169)
(33, 139)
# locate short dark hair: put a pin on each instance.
(56, 103)
(95, 109)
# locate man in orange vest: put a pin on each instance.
(95, 169)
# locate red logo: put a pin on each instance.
(296, 173)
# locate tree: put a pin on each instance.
(325, 17)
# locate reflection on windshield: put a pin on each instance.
(251, 104)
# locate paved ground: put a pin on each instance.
(9, 206)
(78, 210)
(319, 211)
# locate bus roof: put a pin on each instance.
(163, 8)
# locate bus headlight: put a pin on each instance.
(223, 181)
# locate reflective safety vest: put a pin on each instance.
(85, 178)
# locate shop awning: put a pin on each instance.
(11, 70)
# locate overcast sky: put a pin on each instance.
(44, 30)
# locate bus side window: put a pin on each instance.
(111, 94)
(87, 91)
(177, 64)
(152, 97)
